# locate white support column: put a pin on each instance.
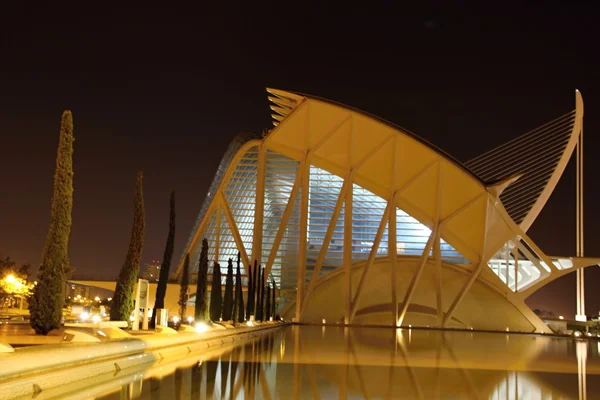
(437, 251)
(347, 256)
(234, 230)
(284, 220)
(580, 316)
(437, 256)
(417, 275)
(326, 241)
(218, 232)
(370, 260)
(393, 254)
(259, 205)
(463, 292)
(302, 241)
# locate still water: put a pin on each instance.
(331, 362)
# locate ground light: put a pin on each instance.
(190, 319)
(201, 327)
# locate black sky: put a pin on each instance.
(165, 90)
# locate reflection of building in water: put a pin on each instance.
(332, 362)
(363, 222)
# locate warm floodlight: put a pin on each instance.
(201, 327)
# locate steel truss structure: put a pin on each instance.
(332, 198)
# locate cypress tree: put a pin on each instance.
(274, 304)
(250, 302)
(268, 305)
(123, 301)
(228, 298)
(46, 303)
(239, 295)
(183, 287)
(200, 309)
(161, 288)
(216, 298)
(259, 294)
(262, 296)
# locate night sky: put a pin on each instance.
(166, 90)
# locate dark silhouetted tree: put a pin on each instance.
(259, 293)
(268, 305)
(161, 288)
(123, 301)
(239, 295)
(46, 303)
(273, 303)
(200, 309)
(262, 295)
(228, 298)
(250, 300)
(216, 297)
(183, 287)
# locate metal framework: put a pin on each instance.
(330, 188)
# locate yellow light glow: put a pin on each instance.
(201, 327)
(96, 319)
(84, 316)
(11, 279)
(561, 317)
(96, 298)
(175, 319)
(190, 319)
(109, 299)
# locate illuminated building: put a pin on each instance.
(359, 221)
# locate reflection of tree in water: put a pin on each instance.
(238, 372)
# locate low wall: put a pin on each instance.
(32, 370)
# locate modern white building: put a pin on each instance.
(360, 221)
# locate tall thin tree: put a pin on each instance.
(258, 313)
(239, 295)
(274, 304)
(268, 305)
(228, 298)
(123, 298)
(262, 295)
(200, 309)
(250, 301)
(216, 297)
(183, 287)
(161, 288)
(46, 303)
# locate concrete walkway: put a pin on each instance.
(24, 335)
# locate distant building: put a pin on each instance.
(74, 290)
(152, 271)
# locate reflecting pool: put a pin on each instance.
(335, 362)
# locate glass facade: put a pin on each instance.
(323, 192)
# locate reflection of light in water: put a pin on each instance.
(282, 349)
(518, 386)
(581, 350)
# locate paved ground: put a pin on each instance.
(22, 334)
